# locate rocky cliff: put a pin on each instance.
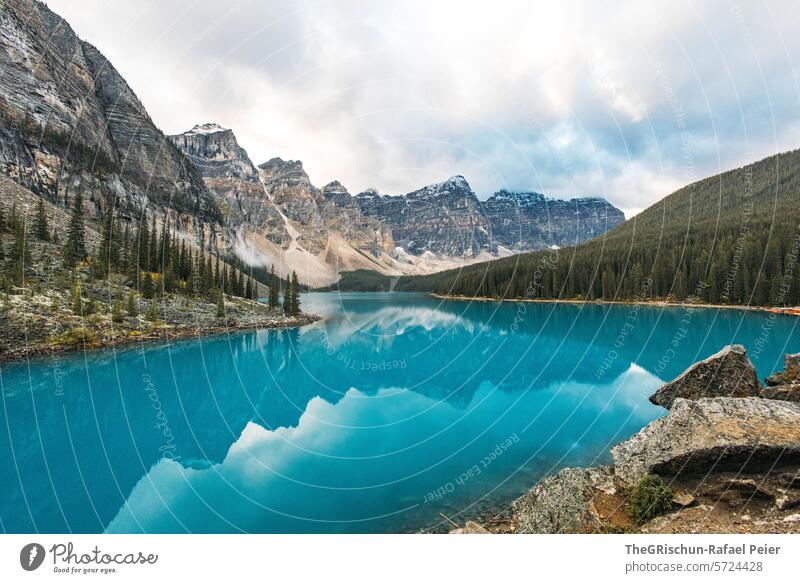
(444, 219)
(231, 176)
(69, 121)
(528, 221)
(448, 219)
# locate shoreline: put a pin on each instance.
(164, 334)
(655, 303)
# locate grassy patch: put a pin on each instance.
(649, 498)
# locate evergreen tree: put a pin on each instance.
(41, 229)
(153, 247)
(153, 313)
(220, 304)
(295, 285)
(116, 311)
(148, 288)
(287, 300)
(77, 300)
(75, 247)
(143, 245)
(18, 256)
(133, 308)
(273, 298)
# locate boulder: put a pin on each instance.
(470, 527)
(791, 368)
(728, 373)
(564, 502)
(782, 392)
(789, 374)
(712, 435)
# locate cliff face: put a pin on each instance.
(71, 121)
(448, 219)
(527, 221)
(443, 219)
(342, 214)
(233, 179)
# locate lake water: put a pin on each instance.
(394, 408)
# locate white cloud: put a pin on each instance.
(566, 98)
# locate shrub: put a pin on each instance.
(116, 311)
(648, 498)
(77, 337)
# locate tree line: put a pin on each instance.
(729, 239)
(155, 259)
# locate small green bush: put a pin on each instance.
(77, 337)
(648, 498)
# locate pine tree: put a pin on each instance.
(133, 308)
(220, 304)
(102, 262)
(295, 285)
(148, 288)
(143, 245)
(75, 248)
(153, 247)
(116, 311)
(274, 290)
(18, 256)
(77, 301)
(41, 229)
(287, 300)
(153, 313)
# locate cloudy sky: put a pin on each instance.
(629, 102)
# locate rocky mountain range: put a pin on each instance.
(69, 121)
(278, 216)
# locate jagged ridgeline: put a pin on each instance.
(731, 238)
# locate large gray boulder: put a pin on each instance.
(712, 435)
(728, 373)
(563, 503)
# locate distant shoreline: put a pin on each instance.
(657, 303)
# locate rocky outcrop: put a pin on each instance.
(728, 373)
(230, 174)
(564, 503)
(526, 221)
(343, 215)
(741, 434)
(789, 392)
(719, 455)
(789, 374)
(444, 219)
(69, 121)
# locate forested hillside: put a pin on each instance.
(731, 238)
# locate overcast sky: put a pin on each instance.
(566, 98)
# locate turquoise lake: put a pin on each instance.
(393, 409)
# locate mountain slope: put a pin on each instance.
(231, 176)
(527, 221)
(731, 238)
(70, 121)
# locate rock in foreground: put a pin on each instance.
(728, 373)
(564, 503)
(713, 435)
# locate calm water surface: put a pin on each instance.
(392, 409)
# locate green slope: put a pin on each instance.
(731, 238)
